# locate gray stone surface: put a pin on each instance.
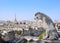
(47, 23)
(50, 41)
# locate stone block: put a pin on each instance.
(50, 41)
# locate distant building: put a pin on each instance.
(8, 36)
(20, 25)
(57, 24)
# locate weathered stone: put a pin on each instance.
(50, 41)
(48, 25)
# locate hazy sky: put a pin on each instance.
(25, 9)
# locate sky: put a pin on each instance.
(26, 9)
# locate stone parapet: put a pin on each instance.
(50, 41)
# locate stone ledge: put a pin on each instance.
(50, 41)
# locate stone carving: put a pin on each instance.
(47, 23)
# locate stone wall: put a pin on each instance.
(50, 41)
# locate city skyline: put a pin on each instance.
(26, 9)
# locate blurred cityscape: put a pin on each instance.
(24, 31)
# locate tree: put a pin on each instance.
(58, 27)
(18, 32)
